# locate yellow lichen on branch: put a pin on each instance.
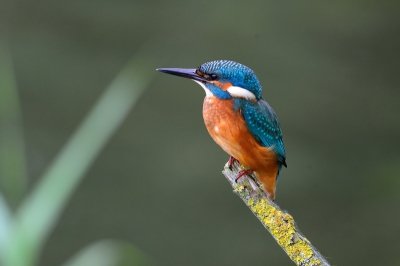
(280, 224)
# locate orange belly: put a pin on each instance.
(228, 129)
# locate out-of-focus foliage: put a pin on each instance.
(329, 70)
(13, 178)
(106, 253)
(24, 234)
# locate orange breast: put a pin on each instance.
(228, 129)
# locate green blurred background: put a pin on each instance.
(329, 69)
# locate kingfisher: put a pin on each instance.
(239, 120)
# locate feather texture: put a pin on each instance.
(263, 124)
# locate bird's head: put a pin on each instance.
(223, 79)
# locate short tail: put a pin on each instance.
(268, 179)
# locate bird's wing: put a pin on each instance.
(263, 124)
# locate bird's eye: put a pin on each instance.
(213, 76)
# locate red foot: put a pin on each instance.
(244, 172)
(231, 161)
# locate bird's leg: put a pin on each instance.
(247, 172)
(243, 172)
(231, 162)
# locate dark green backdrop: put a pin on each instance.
(329, 69)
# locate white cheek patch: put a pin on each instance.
(208, 92)
(238, 92)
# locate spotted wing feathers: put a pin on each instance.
(263, 124)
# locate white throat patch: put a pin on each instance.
(238, 92)
(208, 92)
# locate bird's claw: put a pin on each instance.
(242, 173)
(231, 161)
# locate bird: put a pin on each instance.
(238, 118)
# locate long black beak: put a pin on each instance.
(183, 72)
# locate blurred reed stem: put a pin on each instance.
(41, 209)
(13, 178)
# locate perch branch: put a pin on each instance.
(280, 224)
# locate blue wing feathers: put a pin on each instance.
(263, 124)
